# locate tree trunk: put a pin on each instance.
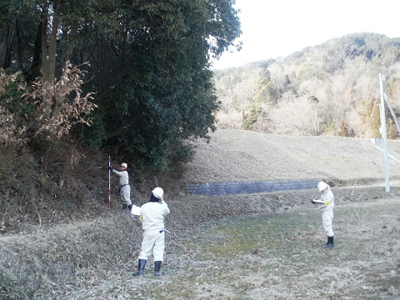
(53, 41)
(71, 40)
(36, 62)
(45, 62)
(8, 45)
(49, 48)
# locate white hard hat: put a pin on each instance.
(322, 186)
(124, 165)
(158, 192)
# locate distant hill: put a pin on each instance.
(329, 89)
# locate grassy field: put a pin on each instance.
(274, 256)
(280, 256)
(244, 247)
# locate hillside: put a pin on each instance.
(328, 89)
(239, 155)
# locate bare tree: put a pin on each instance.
(60, 104)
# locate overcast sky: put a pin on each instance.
(279, 28)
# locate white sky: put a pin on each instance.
(273, 28)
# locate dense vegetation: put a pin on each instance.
(81, 80)
(330, 89)
(137, 71)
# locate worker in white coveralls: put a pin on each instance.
(124, 187)
(327, 202)
(152, 215)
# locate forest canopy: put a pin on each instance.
(128, 76)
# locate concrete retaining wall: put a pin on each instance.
(249, 187)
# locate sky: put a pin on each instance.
(274, 28)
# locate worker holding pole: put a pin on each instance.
(124, 187)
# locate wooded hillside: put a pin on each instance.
(140, 69)
(329, 89)
(81, 81)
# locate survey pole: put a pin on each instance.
(384, 132)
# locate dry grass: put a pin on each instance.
(239, 155)
(50, 263)
(247, 247)
(259, 256)
(261, 246)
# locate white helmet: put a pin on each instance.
(124, 165)
(322, 186)
(158, 192)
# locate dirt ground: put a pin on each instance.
(260, 246)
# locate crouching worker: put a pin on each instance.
(327, 204)
(152, 215)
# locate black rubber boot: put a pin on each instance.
(141, 265)
(124, 206)
(130, 208)
(157, 267)
(330, 242)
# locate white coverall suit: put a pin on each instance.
(327, 211)
(152, 215)
(124, 187)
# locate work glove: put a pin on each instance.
(110, 168)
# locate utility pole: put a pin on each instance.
(384, 133)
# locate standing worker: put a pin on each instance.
(327, 201)
(124, 187)
(152, 215)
